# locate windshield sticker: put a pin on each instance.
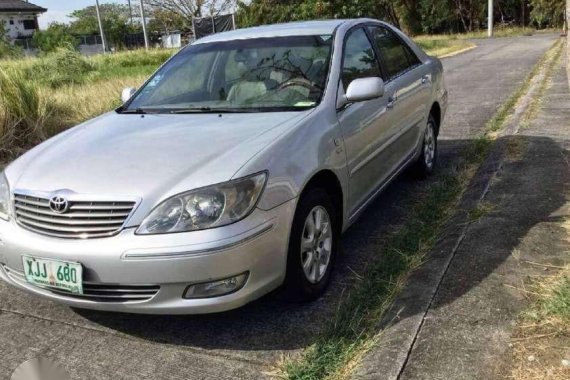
(326, 37)
(155, 81)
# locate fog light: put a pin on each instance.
(216, 288)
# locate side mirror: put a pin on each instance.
(128, 94)
(363, 89)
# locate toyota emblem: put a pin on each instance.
(58, 204)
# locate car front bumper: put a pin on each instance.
(257, 245)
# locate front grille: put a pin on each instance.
(99, 292)
(83, 220)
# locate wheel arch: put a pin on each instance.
(435, 111)
(327, 180)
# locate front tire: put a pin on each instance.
(427, 161)
(312, 246)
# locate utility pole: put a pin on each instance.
(143, 21)
(524, 26)
(490, 19)
(101, 27)
(130, 11)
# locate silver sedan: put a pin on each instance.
(232, 171)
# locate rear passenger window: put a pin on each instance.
(359, 58)
(397, 56)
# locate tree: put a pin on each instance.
(55, 36)
(163, 22)
(191, 8)
(271, 11)
(115, 19)
(547, 13)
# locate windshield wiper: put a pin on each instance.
(138, 111)
(210, 110)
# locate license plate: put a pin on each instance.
(56, 274)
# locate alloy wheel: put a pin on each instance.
(429, 146)
(316, 244)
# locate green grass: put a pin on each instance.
(353, 329)
(497, 32)
(65, 67)
(134, 63)
(558, 304)
(507, 107)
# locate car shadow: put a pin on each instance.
(272, 323)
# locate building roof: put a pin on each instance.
(19, 6)
(288, 29)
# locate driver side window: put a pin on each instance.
(359, 59)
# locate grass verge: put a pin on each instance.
(540, 341)
(497, 32)
(551, 62)
(547, 64)
(353, 330)
(439, 46)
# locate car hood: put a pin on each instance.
(148, 156)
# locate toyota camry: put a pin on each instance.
(231, 172)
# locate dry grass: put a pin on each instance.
(441, 46)
(541, 342)
(24, 112)
(40, 97)
(83, 102)
(30, 114)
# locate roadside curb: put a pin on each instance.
(458, 52)
(400, 332)
(403, 322)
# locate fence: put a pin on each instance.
(205, 26)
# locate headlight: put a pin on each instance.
(4, 197)
(209, 207)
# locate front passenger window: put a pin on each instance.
(359, 59)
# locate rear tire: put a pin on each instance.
(312, 246)
(427, 161)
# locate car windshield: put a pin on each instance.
(251, 75)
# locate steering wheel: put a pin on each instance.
(300, 82)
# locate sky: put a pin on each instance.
(59, 9)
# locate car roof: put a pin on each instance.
(302, 28)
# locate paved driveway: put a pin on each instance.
(245, 343)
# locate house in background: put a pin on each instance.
(19, 19)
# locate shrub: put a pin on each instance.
(7, 50)
(56, 36)
(63, 66)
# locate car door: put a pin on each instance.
(366, 126)
(410, 82)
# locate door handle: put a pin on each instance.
(391, 101)
(424, 79)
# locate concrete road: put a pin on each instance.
(467, 331)
(246, 343)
